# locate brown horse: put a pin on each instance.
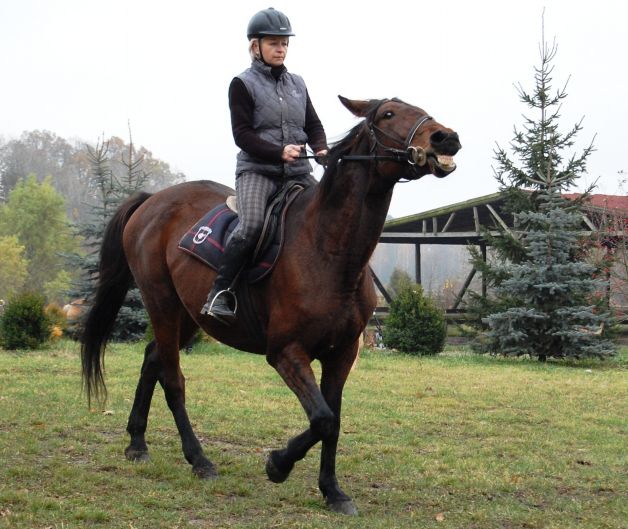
(314, 306)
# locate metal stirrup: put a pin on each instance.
(207, 308)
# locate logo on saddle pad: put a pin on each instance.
(202, 234)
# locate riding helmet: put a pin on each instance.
(269, 22)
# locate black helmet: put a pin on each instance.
(269, 22)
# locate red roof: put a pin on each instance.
(615, 202)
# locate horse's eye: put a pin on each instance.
(389, 115)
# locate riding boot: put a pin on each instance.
(221, 300)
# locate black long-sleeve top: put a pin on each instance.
(242, 105)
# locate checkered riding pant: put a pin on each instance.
(253, 191)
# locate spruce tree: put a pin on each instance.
(109, 192)
(132, 319)
(543, 301)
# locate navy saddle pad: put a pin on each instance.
(207, 238)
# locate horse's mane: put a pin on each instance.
(344, 146)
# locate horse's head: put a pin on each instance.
(406, 138)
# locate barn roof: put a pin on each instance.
(618, 203)
(463, 222)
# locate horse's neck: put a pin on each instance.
(349, 219)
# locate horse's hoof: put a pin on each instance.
(273, 473)
(133, 454)
(205, 471)
(343, 507)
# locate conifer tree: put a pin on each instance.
(132, 319)
(109, 192)
(543, 301)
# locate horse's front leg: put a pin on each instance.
(334, 375)
(280, 462)
(293, 364)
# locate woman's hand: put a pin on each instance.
(291, 153)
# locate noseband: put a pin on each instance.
(415, 157)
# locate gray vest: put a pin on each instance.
(278, 117)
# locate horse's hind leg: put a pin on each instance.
(153, 370)
(169, 342)
(150, 374)
(138, 419)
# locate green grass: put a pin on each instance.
(455, 441)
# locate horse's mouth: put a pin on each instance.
(441, 164)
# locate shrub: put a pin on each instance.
(24, 324)
(415, 325)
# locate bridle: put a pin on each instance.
(415, 157)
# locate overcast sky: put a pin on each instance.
(81, 68)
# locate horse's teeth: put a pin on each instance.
(445, 160)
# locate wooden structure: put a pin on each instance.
(463, 224)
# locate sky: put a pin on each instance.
(83, 69)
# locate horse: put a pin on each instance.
(314, 306)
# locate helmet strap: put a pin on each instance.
(261, 55)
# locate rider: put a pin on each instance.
(272, 118)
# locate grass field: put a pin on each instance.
(456, 441)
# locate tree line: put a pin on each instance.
(56, 198)
(43, 154)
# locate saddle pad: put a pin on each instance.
(206, 241)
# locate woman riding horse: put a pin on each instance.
(272, 117)
(314, 306)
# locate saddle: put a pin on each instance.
(206, 240)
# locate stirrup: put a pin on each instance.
(209, 305)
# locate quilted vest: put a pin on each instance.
(278, 117)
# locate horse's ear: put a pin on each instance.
(359, 108)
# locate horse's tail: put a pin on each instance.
(114, 281)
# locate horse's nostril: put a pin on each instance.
(438, 137)
(445, 142)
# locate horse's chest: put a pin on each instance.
(322, 312)
(342, 321)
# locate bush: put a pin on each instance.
(24, 324)
(415, 325)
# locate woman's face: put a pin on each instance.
(274, 49)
